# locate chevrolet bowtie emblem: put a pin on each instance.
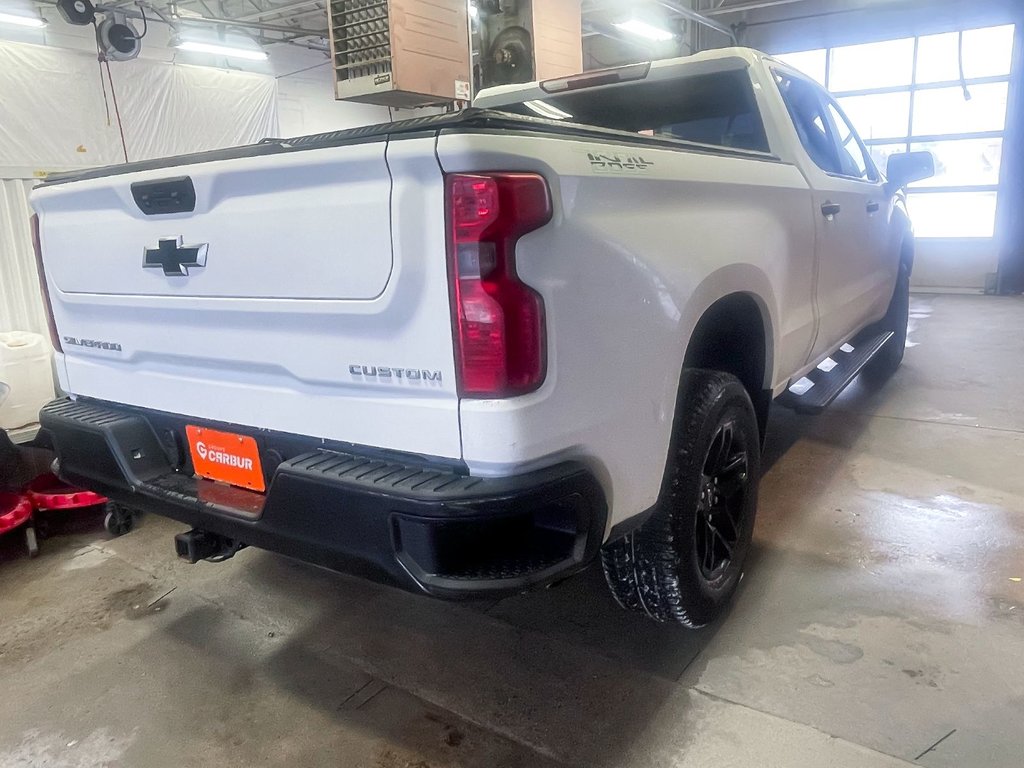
(173, 257)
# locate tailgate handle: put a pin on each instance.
(176, 195)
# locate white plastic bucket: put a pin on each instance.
(25, 368)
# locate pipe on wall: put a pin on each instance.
(1010, 221)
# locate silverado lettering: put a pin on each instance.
(110, 346)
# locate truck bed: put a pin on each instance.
(466, 121)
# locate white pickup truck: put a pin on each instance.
(473, 353)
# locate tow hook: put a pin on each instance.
(199, 545)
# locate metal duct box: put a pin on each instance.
(400, 53)
(524, 40)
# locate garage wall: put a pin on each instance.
(828, 23)
(55, 117)
(20, 305)
(305, 96)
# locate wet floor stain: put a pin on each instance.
(834, 650)
(1006, 609)
(87, 557)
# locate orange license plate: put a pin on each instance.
(227, 457)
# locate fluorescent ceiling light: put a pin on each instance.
(230, 51)
(473, 11)
(22, 21)
(643, 29)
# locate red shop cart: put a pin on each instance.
(49, 493)
(16, 510)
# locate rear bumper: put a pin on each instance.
(422, 524)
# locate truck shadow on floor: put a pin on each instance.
(541, 689)
(334, 708)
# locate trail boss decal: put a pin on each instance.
(613, 162)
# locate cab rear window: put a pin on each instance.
(717, 109)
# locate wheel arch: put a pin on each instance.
(904, 230)
(908, 247)
(734, 334)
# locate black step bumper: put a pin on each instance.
(422, 524)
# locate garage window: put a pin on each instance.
(905, 95)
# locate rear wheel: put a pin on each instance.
(685, 562)
(897, 318)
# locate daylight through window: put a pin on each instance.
(904, 95)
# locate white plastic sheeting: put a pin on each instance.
(53, 114)
(21, 307)
(52, 117)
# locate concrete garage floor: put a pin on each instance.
(881, 623)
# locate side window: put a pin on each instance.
(810, 120)
(852, 157)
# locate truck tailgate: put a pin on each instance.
(293, 226)
(279, 301)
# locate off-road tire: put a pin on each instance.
(657, 569)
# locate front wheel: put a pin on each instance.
(685, 562)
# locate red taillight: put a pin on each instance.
(499, 320)
(54, 338)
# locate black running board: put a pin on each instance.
(849, 360)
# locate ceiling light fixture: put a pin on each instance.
(22, 21)
(643, 29)
(229, 51)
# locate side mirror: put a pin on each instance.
(908, 167)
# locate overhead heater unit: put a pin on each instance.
(400, 53)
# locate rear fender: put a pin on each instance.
(731, 279)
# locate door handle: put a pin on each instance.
(873, 207)
(828, 210)
(177, 195)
